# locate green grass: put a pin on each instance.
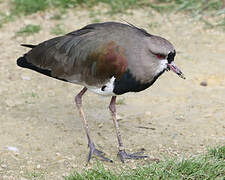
(195, 6)
(4, 18)
(28, 6)
(56, 16)
(218, 153)
(29, 30)
(34, 174)
(209, 166)
(58, 30)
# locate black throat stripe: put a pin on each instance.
(128, 83)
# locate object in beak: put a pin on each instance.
(172, 66)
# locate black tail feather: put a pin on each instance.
(28, 45)
(22, 62)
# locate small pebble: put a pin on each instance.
(148, 113)
(38, 166)
(100, 125)
(208, 115)
(12, 148)
(27, 78)
(180, 118)
(57, 154)
(3, 165)
(203, 83)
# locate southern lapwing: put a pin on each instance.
(109, 59)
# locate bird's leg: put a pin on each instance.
(91, 145)
(122, 153)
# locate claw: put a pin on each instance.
(96, 152)
(123, 155)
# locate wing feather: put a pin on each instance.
(89, 55)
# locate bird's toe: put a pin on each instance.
(95, 152)
(123, 155)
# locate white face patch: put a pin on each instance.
(162, 66)
(106, 91)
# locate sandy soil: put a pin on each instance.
(40, 130)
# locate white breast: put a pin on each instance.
(106, 90)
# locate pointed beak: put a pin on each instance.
(172, 66)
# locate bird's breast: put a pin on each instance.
(128, 83)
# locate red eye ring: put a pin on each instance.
(160, 56)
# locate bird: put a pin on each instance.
(107, 58)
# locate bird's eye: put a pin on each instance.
(160, 56)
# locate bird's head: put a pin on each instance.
(162, 54)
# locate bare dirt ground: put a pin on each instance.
(39, 119)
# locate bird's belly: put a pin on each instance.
(105, 90)
(100, 92)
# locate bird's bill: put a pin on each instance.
(172, 66)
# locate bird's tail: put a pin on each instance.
(28, 45)
(22, 62)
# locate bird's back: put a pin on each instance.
(91, 55)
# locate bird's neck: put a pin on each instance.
(128, 83)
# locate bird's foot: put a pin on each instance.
(123, 155)
(96, 152)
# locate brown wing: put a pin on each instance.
(87, 56)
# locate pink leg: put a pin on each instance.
(91, 145)
(122, 153)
